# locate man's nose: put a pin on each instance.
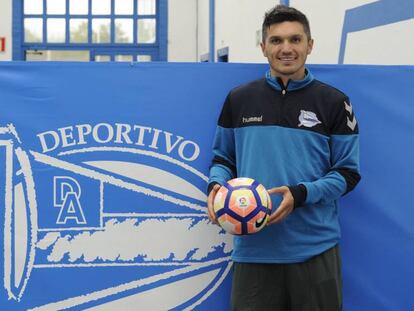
(286, 47)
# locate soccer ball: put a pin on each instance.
(242, 206)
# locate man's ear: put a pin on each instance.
(310, 46)
(263, 46)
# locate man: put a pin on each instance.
(303, 145)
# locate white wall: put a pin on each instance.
(373, 46)
(6, 28)
(203, 33)
(381, 45)
(188, 30)
(237, 23)
(326, 28)
(182, 30)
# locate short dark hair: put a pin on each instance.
(283, 13)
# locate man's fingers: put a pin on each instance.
(216, 188)
(212, 195)
(210, 204)
(285, 207)
(278, 190)
(278, 215)
(273, 217)
(212, 216)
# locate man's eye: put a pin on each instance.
(274, 40)
(296, 40)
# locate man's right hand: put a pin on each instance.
(210, 202)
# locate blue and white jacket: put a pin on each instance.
(304, 136)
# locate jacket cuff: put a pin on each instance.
(299, 194)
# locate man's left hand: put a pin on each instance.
(285, 207)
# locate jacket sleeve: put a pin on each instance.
(344, 174)
(223, 167)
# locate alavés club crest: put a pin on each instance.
(104, 216)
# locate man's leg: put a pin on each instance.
(316, 285)
(258, 287)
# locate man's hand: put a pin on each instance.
(210, 201)
(285, 207)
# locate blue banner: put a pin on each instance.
(103, 176)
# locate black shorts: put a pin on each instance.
(313, 285)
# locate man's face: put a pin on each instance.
(286, 48)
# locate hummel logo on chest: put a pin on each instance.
(252, 119)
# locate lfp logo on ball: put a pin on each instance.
(107, 216)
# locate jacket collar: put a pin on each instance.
(292, 85)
